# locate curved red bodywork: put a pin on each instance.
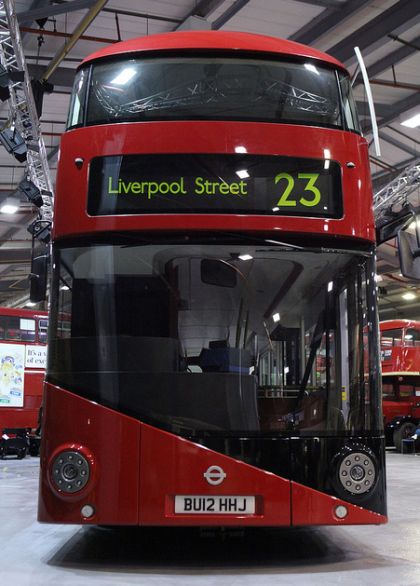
(26, 416)
(142, 468)
(401, 372)
(404, 358)
(72, 219)
(213, 41)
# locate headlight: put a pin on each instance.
(70, 471)
(357, 472)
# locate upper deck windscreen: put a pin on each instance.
(211, 88)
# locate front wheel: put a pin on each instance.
(404, 432)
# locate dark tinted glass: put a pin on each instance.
(209, 88)
(142, 184)
(144, 329)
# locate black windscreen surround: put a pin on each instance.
(278, 339)
(188, 183)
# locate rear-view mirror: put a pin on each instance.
(409, 254)
(393, 223)
(39, 271)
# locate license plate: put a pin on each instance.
(214, 505)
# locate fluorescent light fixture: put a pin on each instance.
(8, 208)
(9, 205)
(413, 225)
(64, 288)
(276, 317)
(379, 278)
(240, 149)
(412, 122)
(330, 286)
(311, 67)
(125, 76)
(30, 304)
(408, 296)
(242, 174)
(245, 257)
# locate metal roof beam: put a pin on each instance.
(382, 178)
(229, 13)
(399, 145)
(77, 33)
(203, 8)
(397, 19)
(325, 21)
(46, 11)
(400, 107)
(325, 3)
(391, 59)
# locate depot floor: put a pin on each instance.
(34, 554)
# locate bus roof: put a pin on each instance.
(398, 323)
(213, 40)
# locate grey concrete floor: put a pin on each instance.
(33, 554)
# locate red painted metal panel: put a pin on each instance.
(110, 440)
(72, 219)
(311, 507)
(213, 41)
(171, 465)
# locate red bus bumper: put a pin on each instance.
(136, 471)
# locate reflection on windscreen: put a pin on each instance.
(215, 337)
(212, 88)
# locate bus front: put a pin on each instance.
(213, 349)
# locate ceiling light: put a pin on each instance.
(125, 76)
(408, 296)
(245, 257)
(240, 149)
(242, 174)
(412, 122)
(409, 337)
(276, 317)
(10, 205)
(64, 288)
(330, 286)
(30, 304)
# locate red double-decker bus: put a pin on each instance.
(23, 351)
(400, 357)
(213, 277)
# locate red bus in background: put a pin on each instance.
(213, 278)
(400, 358)
(23, 350)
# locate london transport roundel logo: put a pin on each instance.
(214, 475)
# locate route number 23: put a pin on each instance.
(288, 199)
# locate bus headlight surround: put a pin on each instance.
(357, 470)
(70, 471)
(357, 473)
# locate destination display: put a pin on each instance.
(214, 184)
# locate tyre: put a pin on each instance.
(21, 454)
(406, 430)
